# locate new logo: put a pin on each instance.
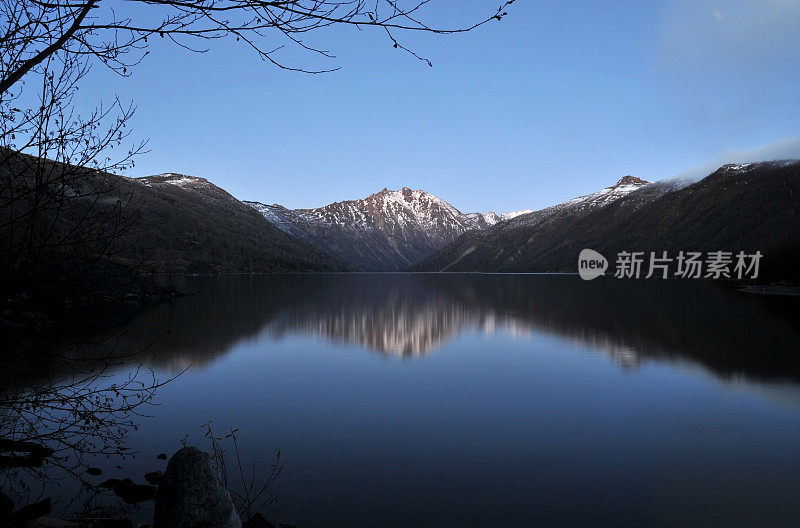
(591, 264)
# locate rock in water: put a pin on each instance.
(191, 494)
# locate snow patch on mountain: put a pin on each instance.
(279, 216)
(514, 214)
(199, 188)
(483, 220)
(173, 178)
(601, 198)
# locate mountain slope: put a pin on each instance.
(460, 255)
(738, 207)
(387, 231)
(184, 218)
(581, 204)
(484, 220)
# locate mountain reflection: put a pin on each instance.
(410, 315)
(398, 315)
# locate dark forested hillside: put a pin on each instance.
(183, 219)
(54, 214)
(739, 207)
(172, 222)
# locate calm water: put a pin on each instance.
(485, 400)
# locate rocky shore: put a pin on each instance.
(189, 494)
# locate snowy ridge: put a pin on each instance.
(601, 198)
(744, 167)
(514, 214)
(200, 188)
(401, 212)
(386, 231)
(483, 220)
(404, 209)
(387, 210)
(280, 217)
(173, 178)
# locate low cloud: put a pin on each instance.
(784, 149)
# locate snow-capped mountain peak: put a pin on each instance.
(601, 198)
(389, 229)
(630, 180)
(420, 206)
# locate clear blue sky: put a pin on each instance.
(559, 99)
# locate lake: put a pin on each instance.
(486, 400)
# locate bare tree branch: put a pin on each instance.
(35, 30)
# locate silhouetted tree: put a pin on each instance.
(36, 30)
(67, 416)
(56, 198)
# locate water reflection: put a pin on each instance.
(403, 315)
(479, 430)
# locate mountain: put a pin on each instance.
(745, 207)
(603, 197)
(386, 231)
(490, 218)
(579, 205)
(484, 220)
(514, 214)
(175, 222)
(183, 219)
